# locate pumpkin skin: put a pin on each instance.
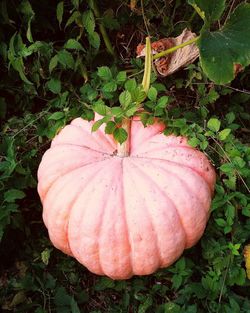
(124, 216)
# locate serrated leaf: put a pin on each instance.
(100, 107)
(94, 40)
(224, 133)
(110, 127)
(104, 73)
(88, 21)
(59, 12)
(125, 99)
(152, 94)
(53, 63)
(75, 16)
(45, 256)
(19, 66)
(214, 124)
(109, 87)
(211, 9)
(97, 125)
(193, 142)
(65, 58)
(56, 116)
(162, 102)
(130, 85)
(54, 85)
(220, 50)
(120, 135)
(73, 44)
(13, 194)
(121, 77)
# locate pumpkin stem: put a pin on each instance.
(123, 150)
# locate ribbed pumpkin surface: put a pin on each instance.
(124, 216)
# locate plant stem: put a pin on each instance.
(168, 51)
(123, 149)
(103, 29)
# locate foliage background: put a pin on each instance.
(50, 52)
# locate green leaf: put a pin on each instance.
(73, 44)
(130, 85)
(121, 77)
(224, 134)
(125, 99)
(95, 40)
(45, 256)
(193, 142)
(100, 107)
(213, 124)
(104, 73)
(74, 306)
(152, 94)
(110, 127)
(212, 9)
(54, 85)
(97, 125)
(13, 194)
(220, 50)
(75, 3)
(19, 66)
(59, 12)
(109, 87)
(163, 102)
(53, 63)
(65, 58)
(88, 21)
(120, 135)
(56, 116)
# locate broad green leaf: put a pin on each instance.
(97, 125)
(220, 50)
(56, 116)
(74, 17)
(224, 133)
(193, 142)
(73, 44)
(65, 58)
(13, 194)
(104, 73)
(53, 63)
(59, 12)
(121, 77)
(19, 66)
(54, 85)
(163, 102)
(120, 135)
(88, 21)
(214, 124)
(130, 85)
(110, 127)
(211, 9)
(110, 87)
(94, 40)
(125, 99)
(100, 107)
(74, 306)
(152, 93)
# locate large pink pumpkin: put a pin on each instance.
(124, 216)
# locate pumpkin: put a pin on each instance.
(123, 216)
